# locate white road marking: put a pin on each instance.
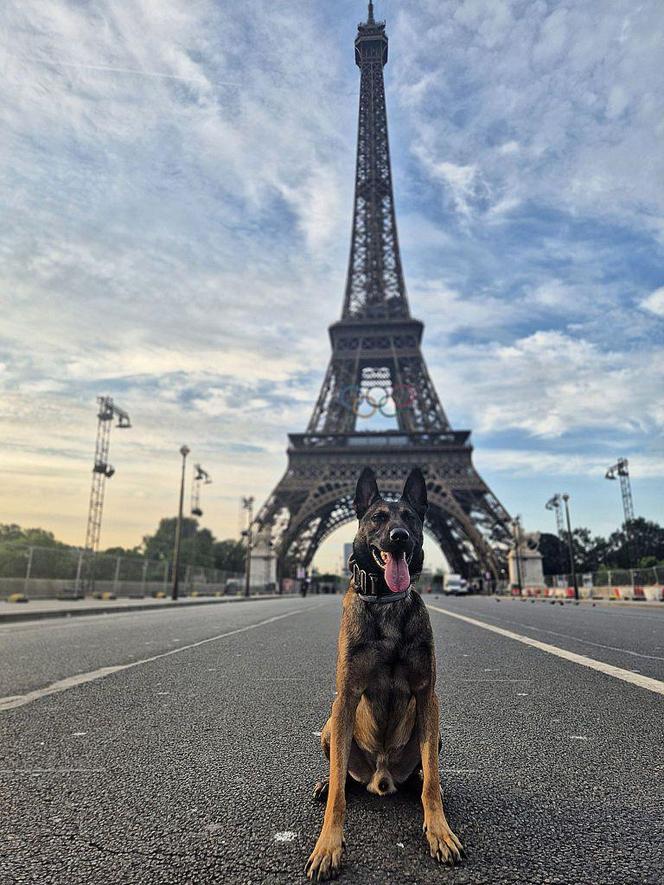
(626, 651)
(13, 701)
(646, 682)
(578, 737)
(286, 836)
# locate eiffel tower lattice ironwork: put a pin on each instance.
(376, 359)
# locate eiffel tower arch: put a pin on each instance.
(377, 364)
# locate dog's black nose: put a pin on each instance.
(399, 535)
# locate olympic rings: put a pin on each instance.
(353, 396)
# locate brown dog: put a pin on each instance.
(384, 727)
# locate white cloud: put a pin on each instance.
(535, 463)
(459, 179)
(578, 88)
(549, 384)
(179, 182)
(655, 302)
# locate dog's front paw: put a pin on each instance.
(325, 860)
(444, 846)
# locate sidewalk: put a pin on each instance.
(610, 603)
(38, 609)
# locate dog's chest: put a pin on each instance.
(392, 673)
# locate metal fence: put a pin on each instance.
(47, 572)
(644, 577)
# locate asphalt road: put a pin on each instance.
(196, 765)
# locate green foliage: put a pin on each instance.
(641, 541)
(52, 559)
(555, 556)
(14, 534)
(124, 552)
(14, 544)
(229, 556)
(196, 544)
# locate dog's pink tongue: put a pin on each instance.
(397, 576)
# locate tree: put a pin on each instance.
(124, 552)
(555, 556)
(56, 560)
(229, 555)
(14, 534)
(196, 544)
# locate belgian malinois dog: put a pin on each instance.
(384, 727)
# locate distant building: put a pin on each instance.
(425, 582)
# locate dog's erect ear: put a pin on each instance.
(415, 492)
(366, 492)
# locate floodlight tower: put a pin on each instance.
(200, 477)
(102, 470)
(621, 470)
(555, 505)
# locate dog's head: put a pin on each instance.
(390, 534)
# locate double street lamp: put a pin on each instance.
(570, 542)
(201, 476)
(184, 451)
(516, 529)
(554, 504)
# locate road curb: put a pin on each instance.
(608, 603)
(16, 617)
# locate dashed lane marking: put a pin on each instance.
(646, 682)
(10, 703)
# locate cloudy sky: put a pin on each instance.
(177, 187)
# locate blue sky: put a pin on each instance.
(177, 180)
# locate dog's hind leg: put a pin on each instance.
(321, 788)
(359, 769)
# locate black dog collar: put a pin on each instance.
(367, 586)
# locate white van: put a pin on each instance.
(454, 585)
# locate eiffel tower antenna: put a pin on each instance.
(377, 365)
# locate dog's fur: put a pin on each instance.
(384, 727)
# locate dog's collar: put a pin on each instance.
(367, 586)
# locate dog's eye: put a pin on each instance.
(406, 514)
(381, 516)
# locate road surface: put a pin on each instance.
(193, 759)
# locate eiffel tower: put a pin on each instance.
(377, 364)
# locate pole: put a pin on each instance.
(79, 566)
(571, 548)
(517, 550)
(248, 504)
(116, 579)
(28, 569)
(184, 451)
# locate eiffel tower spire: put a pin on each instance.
(377, 363)
(375, 286)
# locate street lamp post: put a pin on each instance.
(516, 526)
(248, 504)
(184, 451)
(571, 548)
